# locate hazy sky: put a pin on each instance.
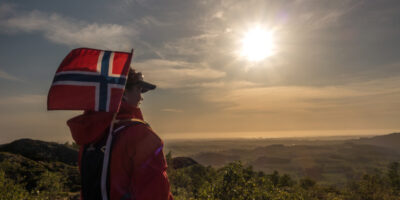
(335, 67)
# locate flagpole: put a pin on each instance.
(106, 159)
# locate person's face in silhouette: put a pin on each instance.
(133, 96)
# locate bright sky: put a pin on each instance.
(329, 67)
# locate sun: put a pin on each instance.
(257, 44)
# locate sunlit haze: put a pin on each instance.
(223, 69)
(257, 44)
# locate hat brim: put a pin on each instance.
(146, 86)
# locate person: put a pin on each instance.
(137, 167)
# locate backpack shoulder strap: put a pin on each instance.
(128, 122)
(121, 125)
(134, 120)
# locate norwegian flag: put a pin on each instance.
(90, 79)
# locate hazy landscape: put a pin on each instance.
(331, 160)
(48, 170)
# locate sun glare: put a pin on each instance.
(257, 44)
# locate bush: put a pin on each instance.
(9, 190)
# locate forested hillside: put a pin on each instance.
(31, 169)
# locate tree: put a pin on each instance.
(394, 176)
(307, 183)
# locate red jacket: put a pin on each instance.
(138, 165)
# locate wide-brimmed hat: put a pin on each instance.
(137, 78)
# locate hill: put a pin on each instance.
(46, 170)
(32, 169)
(32, 173)
(388, 141)
(331, 164)
(42, 151)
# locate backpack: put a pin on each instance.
(92, 160)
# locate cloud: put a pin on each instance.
(225, 84)
(7, 76)
(6, 9)
(314, 15)
(177, 74)
(330, 71)
(380, 96)
(24, 99)
(68, 31)
(172, 110)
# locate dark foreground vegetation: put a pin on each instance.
(31, 169)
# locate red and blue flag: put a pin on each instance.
(90, 79)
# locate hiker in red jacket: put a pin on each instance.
(137, 166)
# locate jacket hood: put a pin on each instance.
(91, 125)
